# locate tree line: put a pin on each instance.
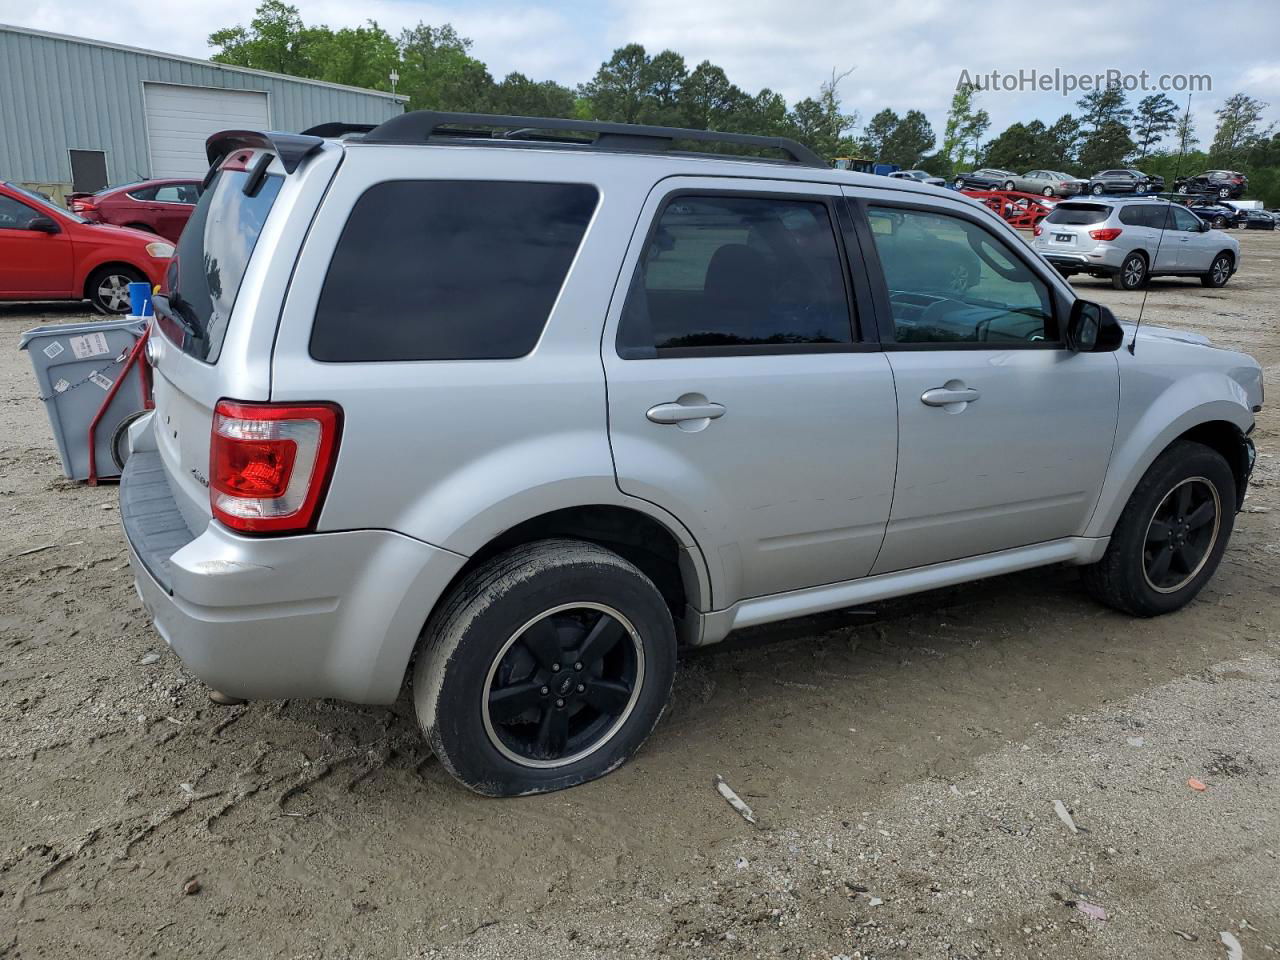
(437, 70)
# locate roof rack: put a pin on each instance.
(421, 125)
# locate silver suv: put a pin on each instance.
(520, 406)
(1132, 240)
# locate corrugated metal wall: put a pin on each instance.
(60, 94)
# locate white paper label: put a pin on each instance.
(60, 386)
(89, 345)
(103, 382)
(53, 349)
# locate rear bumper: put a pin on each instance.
(314, 615)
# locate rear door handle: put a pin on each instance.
(678, 412)
(944, 396)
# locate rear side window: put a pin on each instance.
(449, 270)
(727, 272)
(213, 253)
(1078, 214)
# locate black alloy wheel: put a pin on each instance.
(1181, 535)
(563, 684)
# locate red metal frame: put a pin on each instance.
(144, 379)
(1021, 210)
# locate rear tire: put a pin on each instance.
(1164, 550)
(1132, 274)
(108, 289)
(512, 690)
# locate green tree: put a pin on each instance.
(275, 40)
(1185, 133)
(519, 96)
(1156, 115)
(1019, 147)
(910, 139)
(956, 134)
(708, 101)
(876, 133)
(359, 56)
(437, 71)
(1108, 146)
(667, 75)
(1062, 143)
(620, 90)
(1105, 107)
(821, 122)
(1238, 129)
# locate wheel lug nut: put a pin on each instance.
(577, 666)
(559, 703)
(581, 688)
(555, 668)
(545, 691)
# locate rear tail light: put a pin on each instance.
(270, 464)
(1037, 230)
(1107, 233)
(83, 206)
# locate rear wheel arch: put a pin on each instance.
(660, 552)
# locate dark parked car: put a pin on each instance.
(1124, 180)
(1224, 184)
(1217, 215)
(157, 206)
(1259, 220)
(988, 178)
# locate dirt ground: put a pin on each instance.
(904, 767)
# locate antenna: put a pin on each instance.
(1164, 225)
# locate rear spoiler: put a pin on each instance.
(291, 148)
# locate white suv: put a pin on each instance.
(529, 403)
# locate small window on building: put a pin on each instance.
(449, 270)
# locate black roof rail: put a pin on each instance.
(421, 125)
(337, 128)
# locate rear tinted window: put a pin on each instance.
(205, 274)
(449, 270)
(1078, 214)
(726, 272)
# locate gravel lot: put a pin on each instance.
(904, 767)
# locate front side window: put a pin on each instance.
(449, 270)
(738, 271)
(952, 282)
(15, 215)
(1185, 220)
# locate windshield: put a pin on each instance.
(213, 253)
(41, 202)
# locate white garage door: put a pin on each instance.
(180, 119)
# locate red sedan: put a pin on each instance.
(47, 253)
(157, 206)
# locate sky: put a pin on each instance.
(905, 55)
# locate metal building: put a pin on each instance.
(81, 114)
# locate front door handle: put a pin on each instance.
(945, 396)
(679, 412)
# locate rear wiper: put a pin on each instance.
(170, 308)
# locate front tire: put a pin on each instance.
(1219, 271)
(1097, 190)
(108, 289)
(546, 667)
(1171, 535)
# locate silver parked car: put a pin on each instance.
(1132, 240)
(521, 415)
(919, 176)
(1047, 183)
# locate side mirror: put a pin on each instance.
(44, 225)
(1083, 326)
